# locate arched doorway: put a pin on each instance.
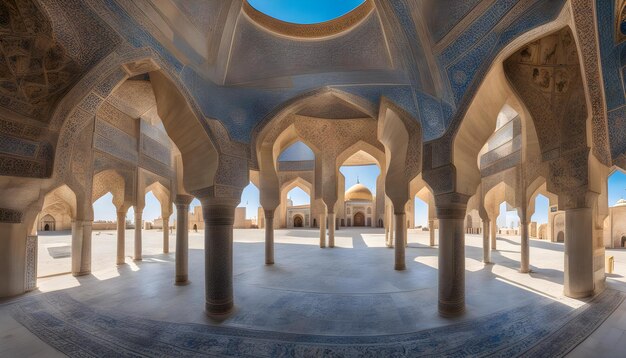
(195, 227)
(560, 237)
(359, 219)
(48, 223)
(298, 221)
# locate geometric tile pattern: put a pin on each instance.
(544, 328)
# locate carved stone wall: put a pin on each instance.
(547, 77)
(504, 149)
(30, 277)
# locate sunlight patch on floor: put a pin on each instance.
(57, 283)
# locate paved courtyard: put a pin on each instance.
(349, 290)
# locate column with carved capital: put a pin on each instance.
(121, 237)
(451, 210)
(269, 236)
(400, 246)
(138, 224)
(219, 218)
(182, 239)
(486, 242)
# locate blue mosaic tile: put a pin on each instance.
(481, 43)
(476, 31)
(403, 14)
(617, 132)
(611, 55)
(16, 146)
(431, 114)
(463, 72)
(454, 14)
(137, 37)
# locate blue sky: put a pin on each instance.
(617, 187)
(305, 11)
(297, 151)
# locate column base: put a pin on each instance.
(82, 273)
(182, 281)
(525, 271)
(582, 294)
(218, 309)
(121, 263)
(399, 267)
(269, 262)
(451, 309)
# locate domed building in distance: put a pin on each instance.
(359, 210)
(359, 206)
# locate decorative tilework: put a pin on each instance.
(10, 216)
(111, 140)
(300, 165)
(543, 328)
(450, 14)
(16, 146)
(617, 134)
(466, 60)
(155, 150)
(431, 115)
(30, 278)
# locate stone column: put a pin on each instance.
(138, 220)
(392, 227)
(331, 230)
(578, 280)
(85, 267)
(387, 224)
(77, 246)
(18, 250)
(431, 232)
(81, 247)
(400, 221)
(525, 245)
(182, 239)
(486, 246)
(269, 236)
(451, 217)
(494, 233)
(121, 237)
(166, 234)
(219, 218)
(322, 230)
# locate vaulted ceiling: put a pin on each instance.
(427, 56)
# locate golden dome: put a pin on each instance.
(620, 202)
(359, 192)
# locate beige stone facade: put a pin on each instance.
(462, 104)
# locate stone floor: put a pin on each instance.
(349, 290)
